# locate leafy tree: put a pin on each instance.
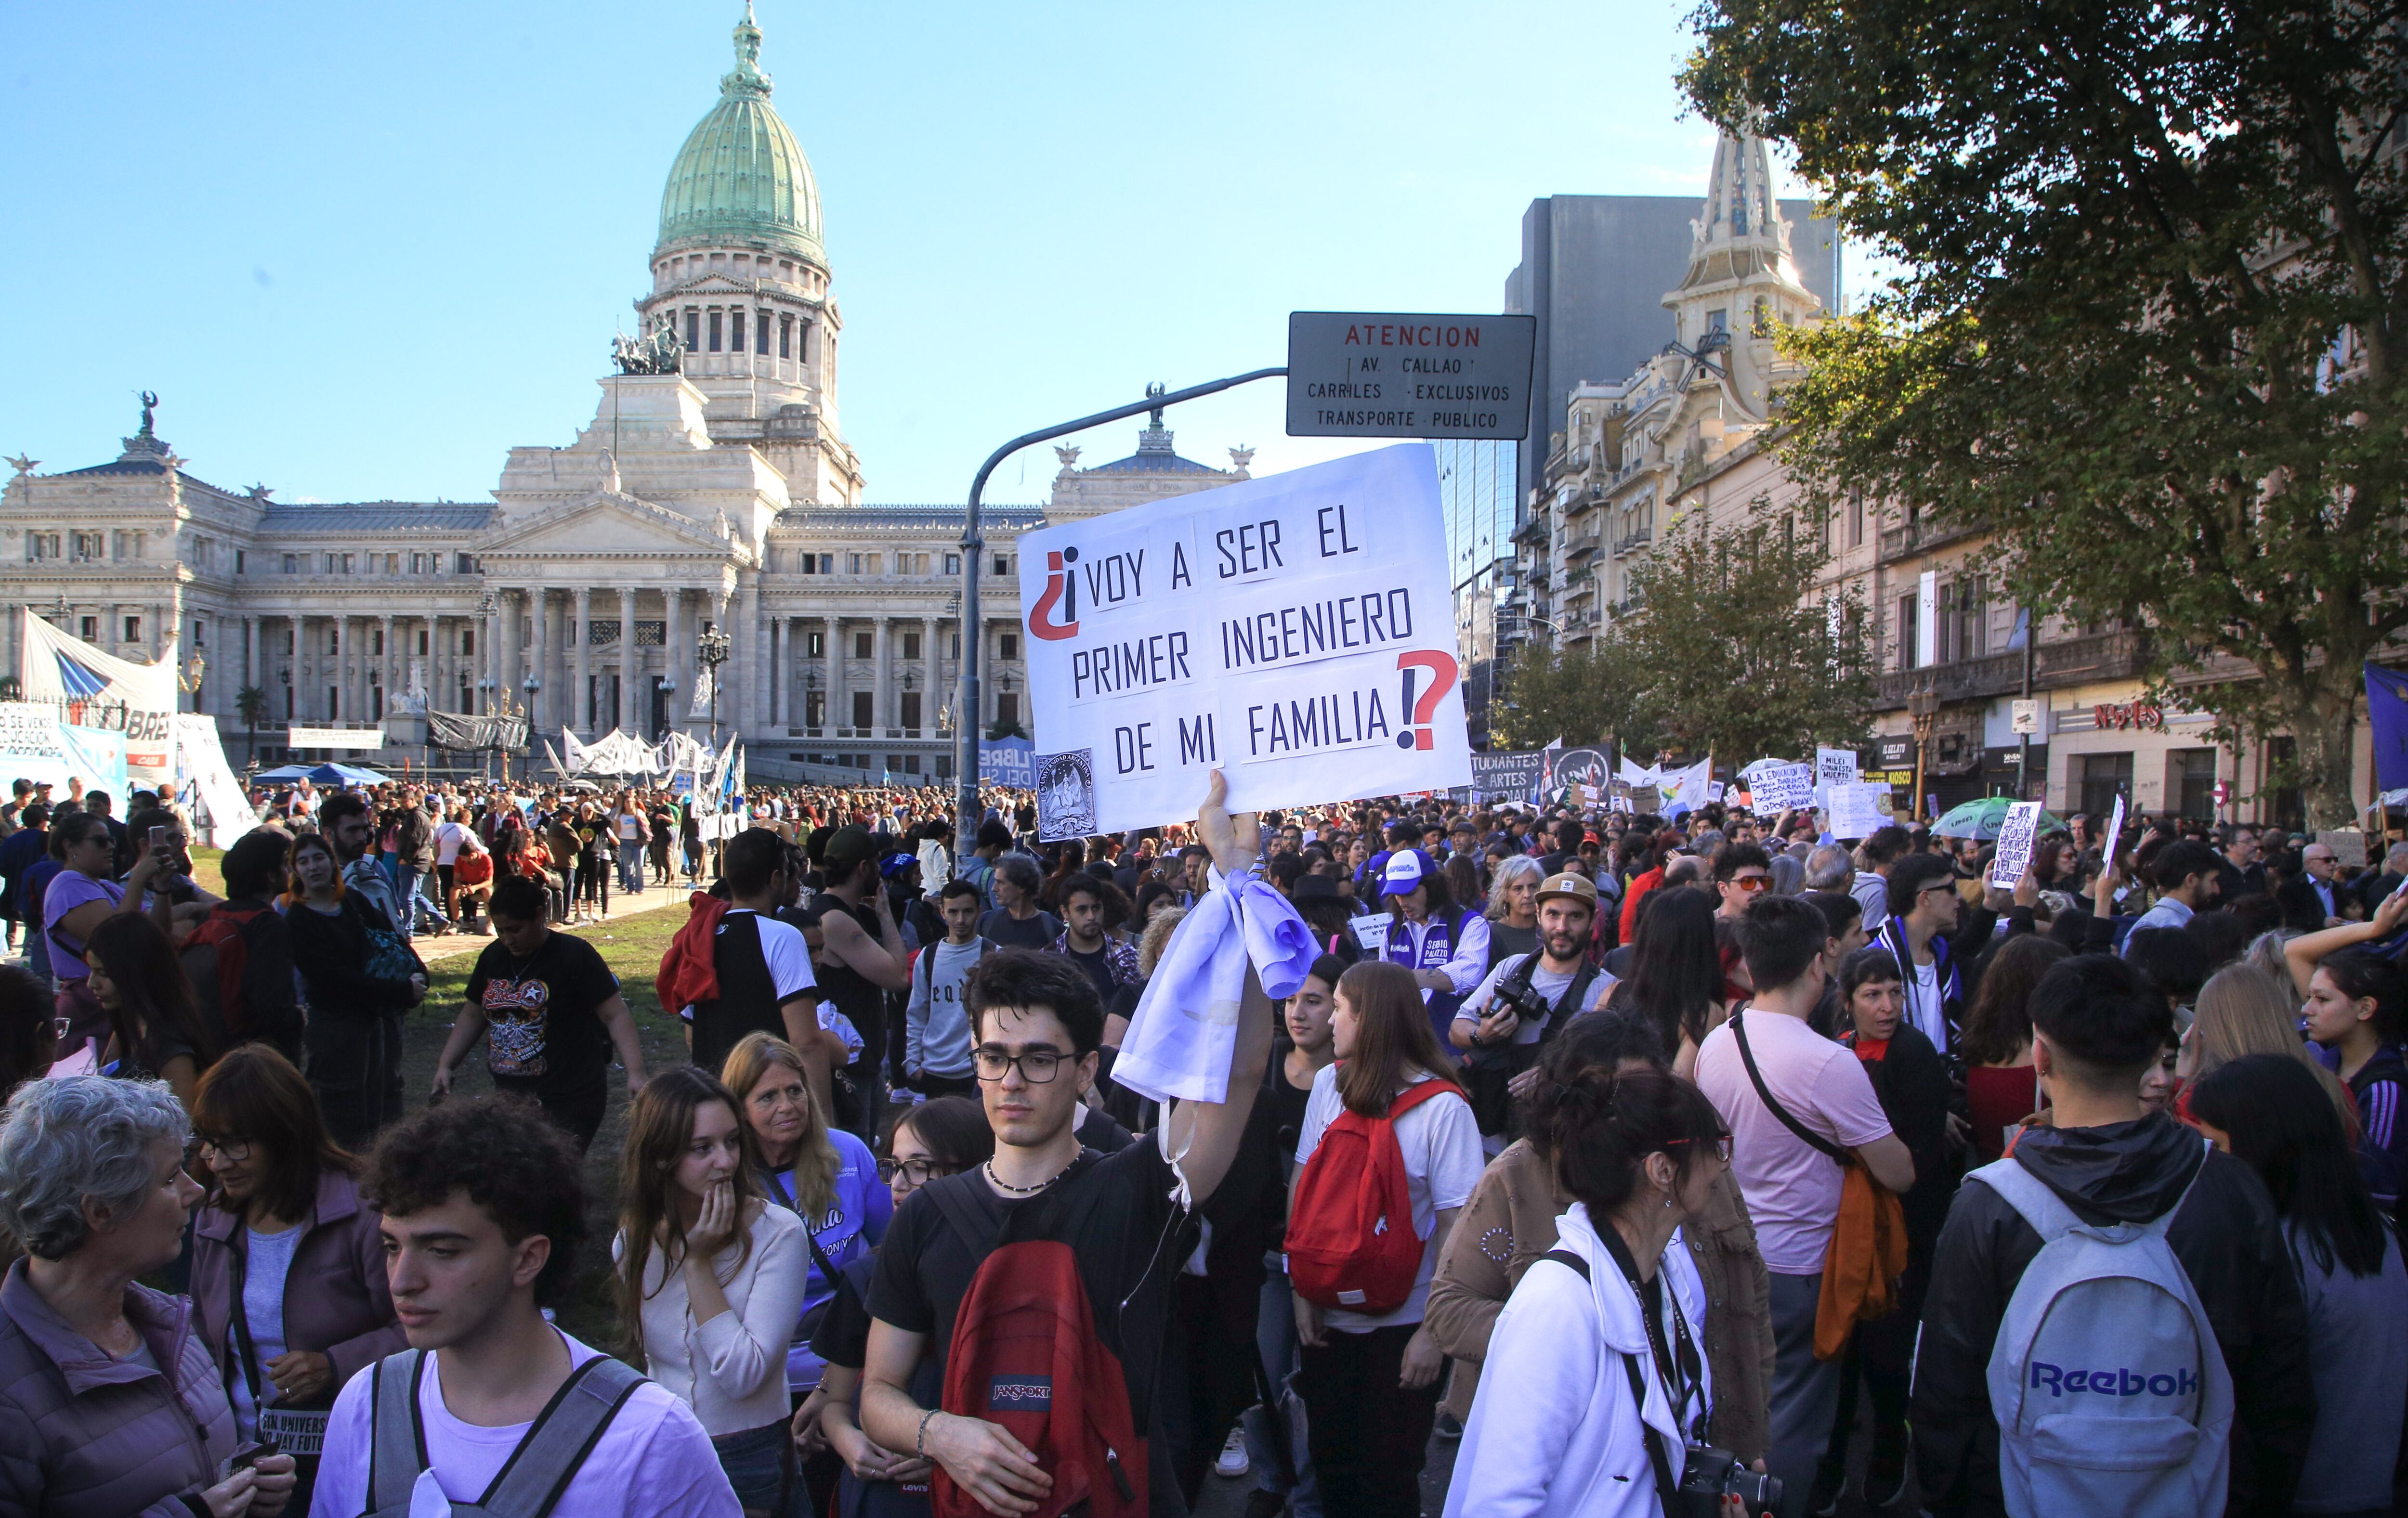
(1739, 662)
(1591, 693)
(2158, 274)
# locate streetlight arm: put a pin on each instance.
(965, 802)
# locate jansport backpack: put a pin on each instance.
(1349, 1233)
(1024, 1355)
(531, 1483)
(2111, 1394)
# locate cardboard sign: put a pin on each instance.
(2114, 830)
(1372, 933)
(1853, 812)
(1777, 786)
(1836, 766)
(1294, 632)
(2017, 835)
(2349, 845)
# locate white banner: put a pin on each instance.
(225, 812)
(100, 690)
(1294, 632)
(348, 740)
(1854, 811)
(1777, 786)
(34, 745)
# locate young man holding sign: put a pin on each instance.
(1038, 1022)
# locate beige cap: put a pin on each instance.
(1578, 887)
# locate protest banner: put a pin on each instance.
(1853, 812)
(2016, 835)
(223, 812)
(37, 746)
(1836, 766)
(1777, 786)
(95, 690)
(1294, 632)
(2349, 845)
(1503, 777)
(2114, 830)
(1011, 761)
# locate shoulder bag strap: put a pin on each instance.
(1667, 1489)
(397, 1441)
(1747, 1055)
(530, 1484)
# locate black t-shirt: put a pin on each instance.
(1128, 1257)
(1098, 970)
(842, 1336)
(541, 1012)
(1036, 931)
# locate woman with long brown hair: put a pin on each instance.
(1370, 1380)
(825, 1176)
(358, 975)
(288, 1288)
(155, 1028)
(710, 1276)
(2002, 1088)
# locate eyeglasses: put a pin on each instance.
(918, 1172)
(1751, 883)
(1722, 1146)
(237, 1149)
(1036, 1067)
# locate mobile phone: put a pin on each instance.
(158, 835)
(247, 1457)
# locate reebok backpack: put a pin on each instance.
(1025, 1356)
(2110, 1393)
(1351, 1241)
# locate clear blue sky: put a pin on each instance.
(363, 250)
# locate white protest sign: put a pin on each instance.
(1777, 786)
(1854, 814)
(1371, 932)
(1836, 766)
(2114, 830)
(1294, 632)
(2017, 835)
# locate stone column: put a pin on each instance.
(749, 660)
(506, 661)
(631, 663)
(835, 714)
(931, 670)
(679, 612)
(252, 670)
(580, 675)
(782, 672)
(882, 700)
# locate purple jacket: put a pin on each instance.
(335, 1300)
(82, 1433)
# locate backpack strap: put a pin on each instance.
(1418, 1093)
(1764, 1093)
(2039, 1205)
(1667, 1489)
(397, 1446)
(531, 1482)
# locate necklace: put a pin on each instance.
(1001, 1184)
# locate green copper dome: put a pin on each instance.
(741, 178)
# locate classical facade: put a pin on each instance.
(719, 495)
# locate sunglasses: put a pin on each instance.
(1751, 883)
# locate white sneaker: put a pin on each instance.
(1232, 1461)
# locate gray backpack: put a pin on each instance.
(2110, 1393)
(531, 1482)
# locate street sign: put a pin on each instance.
(1390, 374)
(2025, 718)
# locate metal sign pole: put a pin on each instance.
(965, 801)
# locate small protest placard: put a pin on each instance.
(1294, 632)
(2016, 835)
(1372, 933)
(1778, 786)
(1836, 766)
(2349, 845)
(2114, 830)
(1854, 814)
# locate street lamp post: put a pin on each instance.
(712, 649)
(966, 803)
(1923, 707)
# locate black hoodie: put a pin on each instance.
(2226, 1236)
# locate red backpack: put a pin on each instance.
(1350, 1234)
(1025, 1356)
(215, 957)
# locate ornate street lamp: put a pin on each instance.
(712, 648)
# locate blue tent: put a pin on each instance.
(282, 775)
(347, 775)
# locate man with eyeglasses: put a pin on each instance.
(1038, 1025)
(1924, 935)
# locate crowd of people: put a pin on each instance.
(1574, 1162)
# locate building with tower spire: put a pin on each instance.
(714, 489)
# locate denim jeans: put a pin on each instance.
(759, 1468)
(631, 868)
(1275, 1341)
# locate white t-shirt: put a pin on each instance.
(1441, 1142)
(1923, 1007)
(653, 1458)
(1546, 983)
(268, 1259)
(448, 839)
(781, 945)
(1792, 1189)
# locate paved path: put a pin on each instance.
(621, 908)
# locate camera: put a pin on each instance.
(1525, 999)
(1709, 1474)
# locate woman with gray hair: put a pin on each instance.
(109, 1402)
(1788, 875)
(1513, 909)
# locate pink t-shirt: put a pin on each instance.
(1792, 1190)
